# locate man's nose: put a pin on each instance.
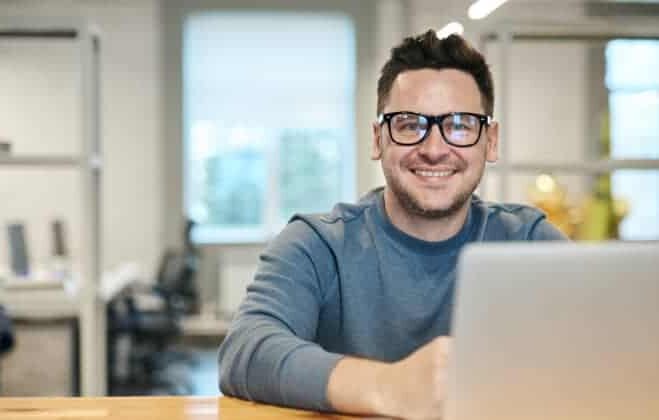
(434, 146)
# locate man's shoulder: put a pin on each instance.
(341, 213)
(517, 211)
(319, 232)
(515, 221)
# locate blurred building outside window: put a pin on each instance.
(268, 120)
(632, 79)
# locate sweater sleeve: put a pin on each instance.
(269, 354)
(545, 231)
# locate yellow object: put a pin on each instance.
(550, 197)
(601, 213)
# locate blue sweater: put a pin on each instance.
(350, 283)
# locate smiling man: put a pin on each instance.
(428, 137)
(350, 311)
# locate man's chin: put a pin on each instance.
(434, 210)
(430, 204)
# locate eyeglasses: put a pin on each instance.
(459, 129)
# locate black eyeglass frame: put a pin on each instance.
(484, 120)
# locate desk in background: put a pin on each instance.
(45, 358)
(205, 326)
(149, 408)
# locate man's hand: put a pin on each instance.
(412, 388)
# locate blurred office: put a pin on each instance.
(150, 149)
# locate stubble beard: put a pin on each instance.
(413, 205)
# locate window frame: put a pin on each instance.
(500, 175)
(507, 34)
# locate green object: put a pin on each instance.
(600, 222)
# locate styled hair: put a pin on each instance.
(426, 51)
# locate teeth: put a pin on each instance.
(434, 173)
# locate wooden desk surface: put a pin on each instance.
(149, 408)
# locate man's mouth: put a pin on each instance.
(445, 173)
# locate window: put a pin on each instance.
(632, 78)
(269, 105)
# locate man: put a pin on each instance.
(350, 311)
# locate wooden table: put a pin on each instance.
(149, 408)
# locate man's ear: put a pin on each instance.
(376, 147)
(492, 146)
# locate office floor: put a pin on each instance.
(190, 370)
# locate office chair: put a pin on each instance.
(151, 319)
(6, 332)
(147, 322)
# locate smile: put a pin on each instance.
(434, 174)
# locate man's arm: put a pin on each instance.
(413, 388)
(268, 354)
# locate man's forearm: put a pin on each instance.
(259, 361)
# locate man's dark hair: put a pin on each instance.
(426, 51)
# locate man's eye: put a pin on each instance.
(460, 127)
(410, 126)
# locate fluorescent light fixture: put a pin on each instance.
(449, 29)
(482, 8)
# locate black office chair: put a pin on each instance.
(6, 332)
(176, 282)
(151, 319)
(6, 335)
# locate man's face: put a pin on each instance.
(433, 179)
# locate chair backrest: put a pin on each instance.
(6, 332)
(176, 279)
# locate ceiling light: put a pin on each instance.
(449, 29)
(482, 8)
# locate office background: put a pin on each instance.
(143, 126)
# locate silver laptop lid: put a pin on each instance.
(556, 331)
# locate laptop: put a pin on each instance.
(547, 331)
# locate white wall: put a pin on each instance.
(548, 116)
(38, 113)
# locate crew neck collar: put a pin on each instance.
(420, 245)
